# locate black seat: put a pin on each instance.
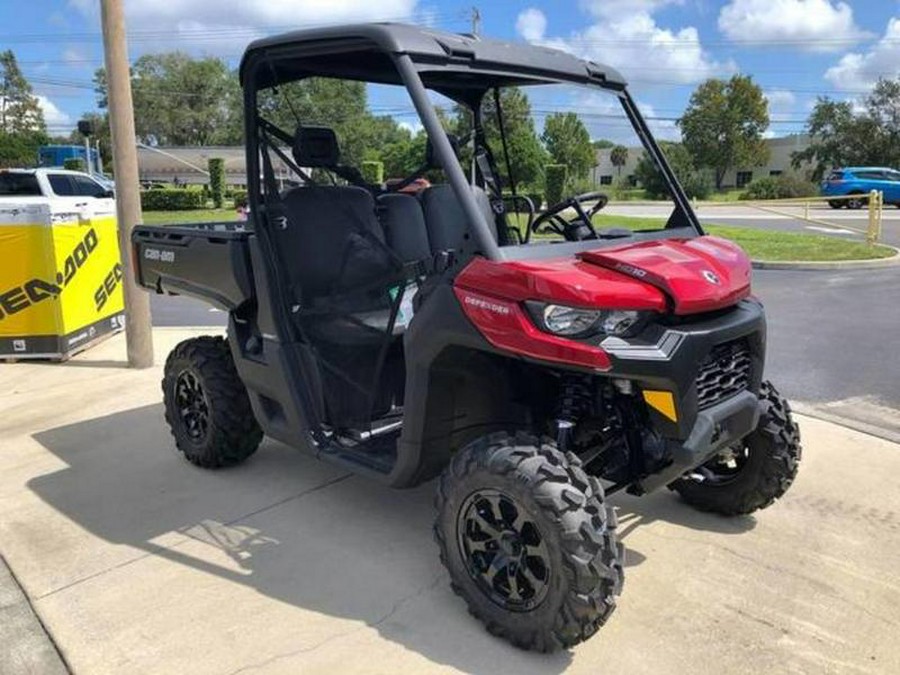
(335, 249)
(404, 226)
(445, 220)
(340, 269)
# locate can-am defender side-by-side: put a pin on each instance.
(411, 336)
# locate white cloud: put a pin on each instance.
(624, 35)
(55, 118)
(227, 25)
(780, 100)
(857, 71)
(531, 24)
(814, 25)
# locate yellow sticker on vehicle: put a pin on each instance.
(663, 402)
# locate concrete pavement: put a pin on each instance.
(138, 562)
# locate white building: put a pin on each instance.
(780, 150)
(190, 164)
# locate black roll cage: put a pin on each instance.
(461, 67)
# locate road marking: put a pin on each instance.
(829, 230)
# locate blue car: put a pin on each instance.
(860, 180)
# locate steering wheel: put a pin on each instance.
(572, 229)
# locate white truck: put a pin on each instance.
(67, 190)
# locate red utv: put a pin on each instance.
(414, 337)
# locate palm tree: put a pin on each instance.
(619, 157)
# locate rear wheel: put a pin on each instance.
(528, 541)
(752, 474)
(206, 404)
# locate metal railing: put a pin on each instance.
(874, 200)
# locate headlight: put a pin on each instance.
(575, 322)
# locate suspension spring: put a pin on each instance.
(575, 399)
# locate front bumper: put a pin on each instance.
(669, 359)
(715, 428)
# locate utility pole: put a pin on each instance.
(476, 22)
(138, 334)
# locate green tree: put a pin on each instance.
(602, 144)
(568, 142)
(696, 183)
(178, 100)
(618, 156)
(22, 126)
(839, 136)
(100, 124)
(723, 125)
(527, 155)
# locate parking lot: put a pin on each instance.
(138, 562)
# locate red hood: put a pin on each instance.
(699, 275)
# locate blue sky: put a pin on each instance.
(795, 49)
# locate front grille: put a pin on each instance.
(724, 373)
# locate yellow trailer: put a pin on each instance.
(60, 277)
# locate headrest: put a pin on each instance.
(431, 158)
(316, 147)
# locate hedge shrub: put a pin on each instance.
(785, 186)
(554, 183)
(373, 172)
(217, 181)
(239, 197)
(172, 199)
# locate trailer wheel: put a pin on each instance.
(528, 541)
(206, 404)
(753, 474)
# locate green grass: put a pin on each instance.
(729, 195)
(768, 244)
(193, 216)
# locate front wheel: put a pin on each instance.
(755, 472)
(528, 541)
(857, 202)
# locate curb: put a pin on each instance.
(28, 646)
(856, 425)
(814, 265)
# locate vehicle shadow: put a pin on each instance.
(295, 529)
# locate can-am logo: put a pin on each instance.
(711, 277)
(156, 254)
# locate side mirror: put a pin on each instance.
(106, 194)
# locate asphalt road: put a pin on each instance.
(831, 343)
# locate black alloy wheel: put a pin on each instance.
(505, 553)
(193, 407)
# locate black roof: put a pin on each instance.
(446, 61)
